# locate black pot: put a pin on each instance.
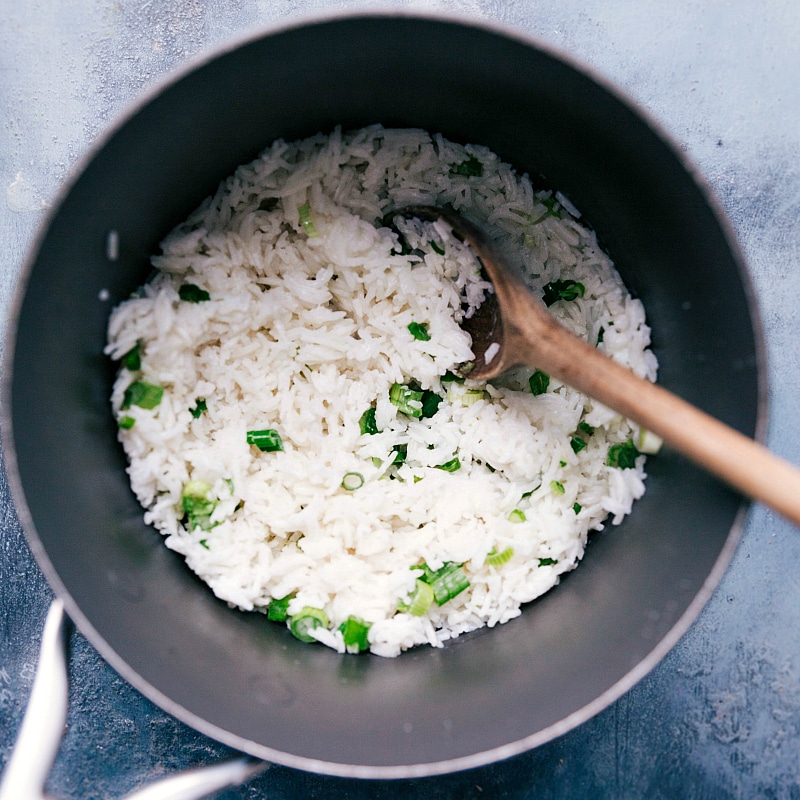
(232, 675)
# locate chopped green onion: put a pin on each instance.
(436, 249)
(448, 582)
(302, 623)
(471, 168)
(197, 506)
(400, 451)
(451, 376)
(648, 442)
(419, 330)
(547, 562)
(576, 507)
(428, 574)
(126, 422)
(472, 396)
(562, 463)
(622, 455)
(601, 335)
(407, 400)
(418, 478)
(586, 428)
(268, 440)
(550, 204)
(495, 559)
(204, 543)
(420, 600)
(557, 487)
(517, 515)
(304, 212)
(577, 444)
(367, 422)
(142, 394)
(352, 481)
(132, 360)
(354, 633)
(539, 382)
(453, 465)
(562, 290)
(430, 404)
(193, 294)
(199, 408)
(278, 610)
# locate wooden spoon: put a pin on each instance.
(519, 324)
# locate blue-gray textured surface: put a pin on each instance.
(720, 716)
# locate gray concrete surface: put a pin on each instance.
(720, 716)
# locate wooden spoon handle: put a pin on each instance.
(539, 340)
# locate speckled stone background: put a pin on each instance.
(720, 716)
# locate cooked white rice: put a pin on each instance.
(303, 333)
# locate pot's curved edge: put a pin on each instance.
(313, 765)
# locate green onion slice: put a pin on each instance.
(576, 507)
(192, 293)
(495, 559)
(539, 382)
(562, 290)
(453, 465)
(367, 422)
(200, 407)
(306, 620)
(142, 394)
(421, 599)
(400, 452)
(622, 455)
(126, 422)
(551, 210)
(557, 487)
(472, 396)
(577, 444)
(517, 515)
(436, 249)
(586, 428)
(407, 400)
(197, 506)
(430, 404)
(304, 212)
(278, 610)
(267, 440)
(354, 632)
(352, 481)
(132, 360)
(471, 168)
(448, 582)
(648, 442)
(547, 562)
(419, 330)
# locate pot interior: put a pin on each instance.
(488, 694)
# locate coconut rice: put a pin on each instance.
(306, 304)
